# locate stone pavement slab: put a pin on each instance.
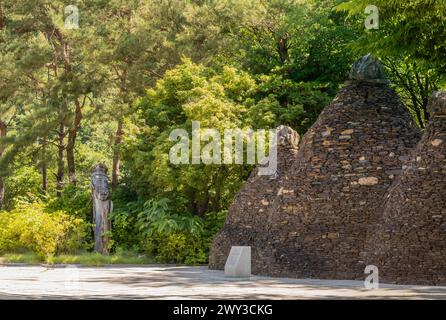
(183, 282)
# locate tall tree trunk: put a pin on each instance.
(44, 178)
(116, 157)
(283, 47)
(72, 135)
(72, 132)
(193, 205)
(2, 17)
(44, 169)
(218, 183)
(3, 132)
(204, 204)
(60, 160)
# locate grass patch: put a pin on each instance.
(87, 258)
(28, 257)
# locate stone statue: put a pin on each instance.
(368, 69)
(437, 104)
(287, 137)
(102, 207)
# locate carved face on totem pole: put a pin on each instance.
(99, 182)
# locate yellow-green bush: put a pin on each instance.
(30, 227)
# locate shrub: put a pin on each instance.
(30, 227)
(125, 233)
(74, 200)
(155, 219)
(23, 184)
(177, 248)
(152, 228)
(171, 238)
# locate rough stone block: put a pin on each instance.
(369, 181)
(239, 262)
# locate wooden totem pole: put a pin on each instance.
(102, 208)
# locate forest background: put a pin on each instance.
(112, 90)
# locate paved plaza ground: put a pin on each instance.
(175, 282)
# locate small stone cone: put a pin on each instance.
(317, 224)
(246, 217)
(408, 244)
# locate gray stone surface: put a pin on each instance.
(167, 282)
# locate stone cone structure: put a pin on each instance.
(316, 226)
(245, 222)
(408, 244)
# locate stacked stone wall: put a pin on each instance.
(408, 242)
(347, 161)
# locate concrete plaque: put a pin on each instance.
(238, 263)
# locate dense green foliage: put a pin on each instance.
(112, 91)
(30, 227)
(410, 42)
